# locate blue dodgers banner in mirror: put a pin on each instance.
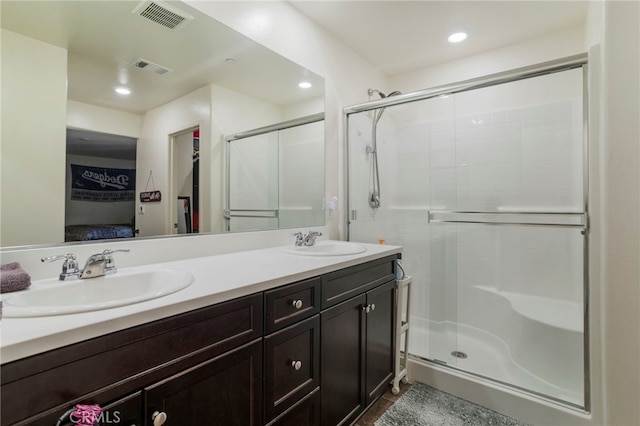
(102, 183)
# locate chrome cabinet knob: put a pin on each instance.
(158, 418)
(366, 308)
(297, 365)
(297, 303)
(373, 307)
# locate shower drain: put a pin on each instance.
(459, 354)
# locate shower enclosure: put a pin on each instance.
(274, 179)
(484, 183)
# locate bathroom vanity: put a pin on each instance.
(310, 344)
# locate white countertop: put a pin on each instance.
(217, 279)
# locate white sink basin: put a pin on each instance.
(327, 248)
(53, 297)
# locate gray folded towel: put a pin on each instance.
(13, 278)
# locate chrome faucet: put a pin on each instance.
(97, 265)
(306, 240)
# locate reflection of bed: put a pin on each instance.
(97, 232)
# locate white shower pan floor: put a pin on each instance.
(487, 356)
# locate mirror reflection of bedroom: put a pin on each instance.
(100, 186)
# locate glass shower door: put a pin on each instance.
(411, 139)
(253, 181)
(509, 245)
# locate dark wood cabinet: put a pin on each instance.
(380, 340)
(292, 365)
(357, 353)
(37, 390)
(226, 390)
(342, 361)
(126, 411)
(318, 351)
(294, 302)
(304, 413)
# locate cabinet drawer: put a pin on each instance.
(292, 365)
(343, 284)
(305, 412)
(291, 303)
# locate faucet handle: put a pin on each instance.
(299, 238)
(310, 238)
(109, 266)
(108, 252)
(69, 267)
(68, 256)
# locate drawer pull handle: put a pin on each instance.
(297, 303)
(158, 418)
(297, 365)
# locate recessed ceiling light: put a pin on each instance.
(123, 91)
(304, 85)
(457, 37)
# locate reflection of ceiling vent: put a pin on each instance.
(143, 64)
(163, 14)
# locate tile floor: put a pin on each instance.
(380, 406)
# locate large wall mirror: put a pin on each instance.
(116, 115)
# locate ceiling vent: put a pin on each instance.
(162, 13)
(143, 64)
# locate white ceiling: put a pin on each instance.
(397, 36)
(104, 39)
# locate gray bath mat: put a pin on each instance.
(422, 405)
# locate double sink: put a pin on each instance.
(53, 297)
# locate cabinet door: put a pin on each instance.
(226, 390)
(342, 361)
(380, 339)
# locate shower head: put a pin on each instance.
(382, 95)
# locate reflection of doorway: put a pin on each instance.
(184, 215)
(100, 184)
(185, 172)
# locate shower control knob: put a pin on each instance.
(297, 303)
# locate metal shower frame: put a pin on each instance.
(249, 213)
(562, 64)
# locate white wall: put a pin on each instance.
(620, 221)
(33, 141)
(281, 28)
(104, 120)
(153, 158)
(541, 49)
